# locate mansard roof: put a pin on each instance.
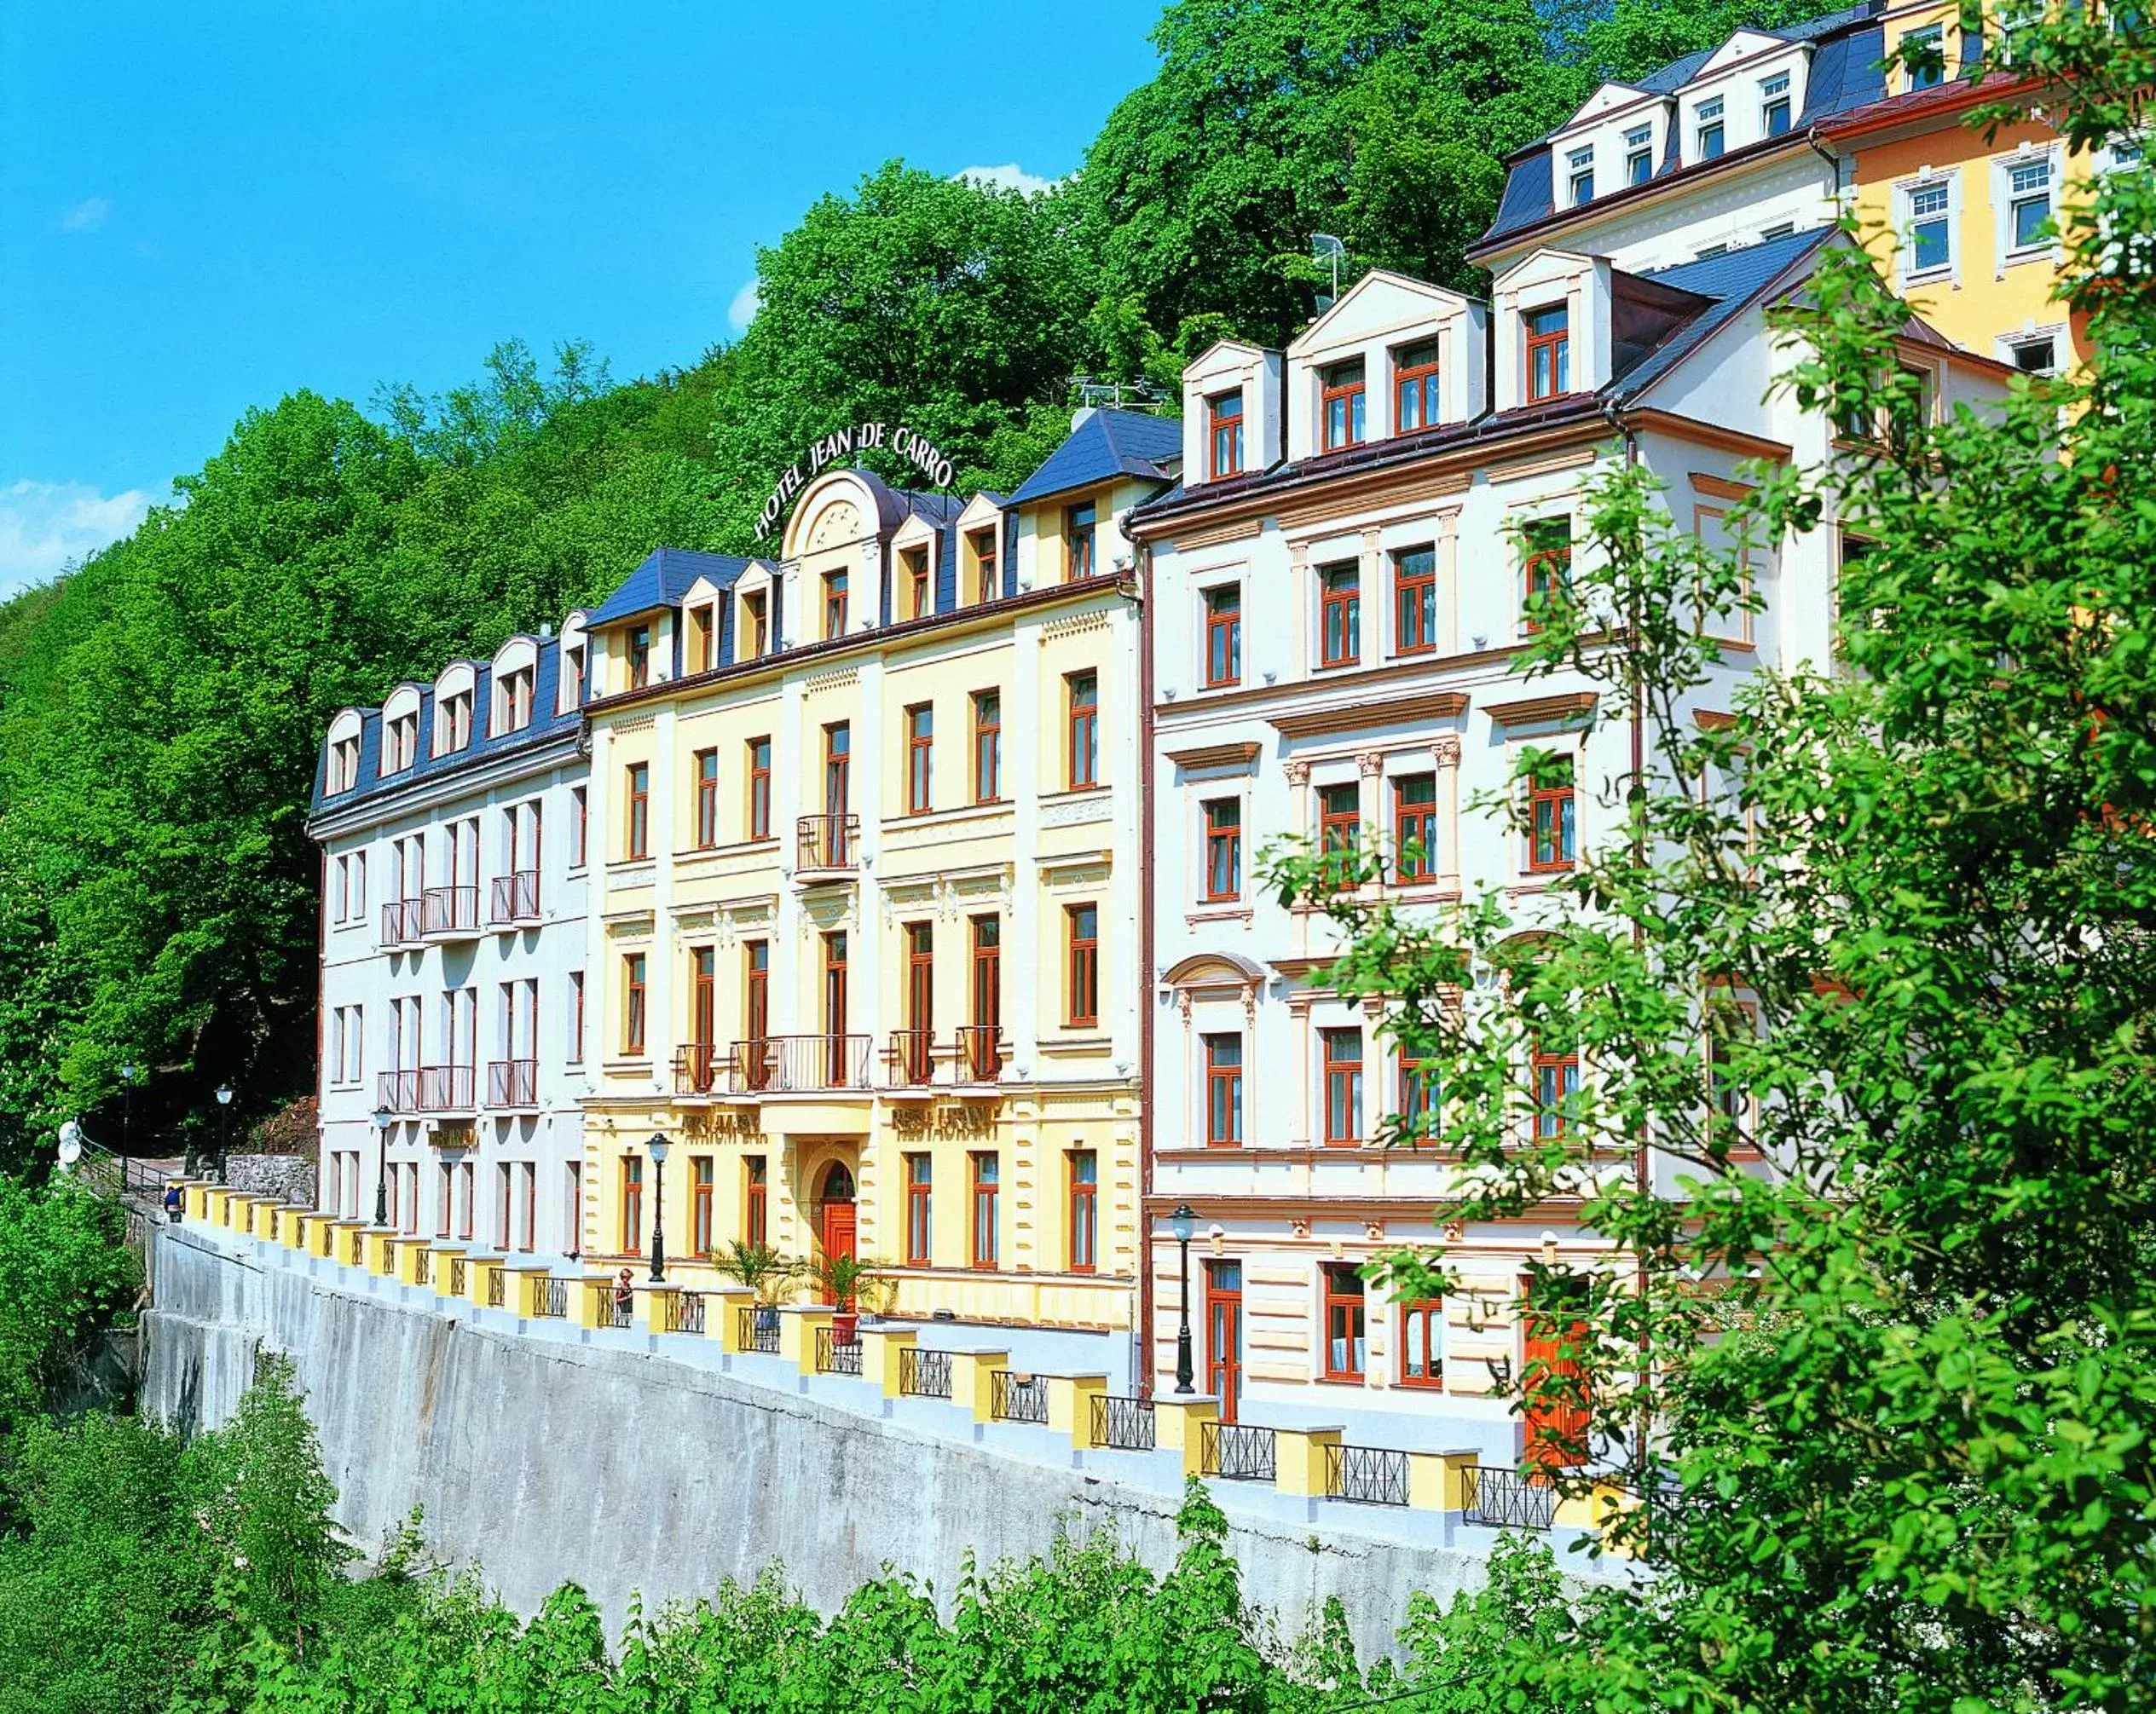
(1104, 444)
(666, 575)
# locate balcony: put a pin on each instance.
(401, 921)
(512, 1085)
(516, 899)
(452, 913)
(447, 1088)
(699, 1068)
(398, 1091)
(798, 1065)
(972, 1057)
(827, 845)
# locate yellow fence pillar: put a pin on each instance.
(292, 1226)
(483, 1278)
(653, 1303)
(1070, 1406)
(1299, 1460)
(381, 1251)
(880, 1358)
(972, 1381)
(1437, 1481)
(594, 1304)
(1178, 1427)
(413, 1261)
(445, 1274)
(797, 1328)
(722, 1316)
(198, 1200)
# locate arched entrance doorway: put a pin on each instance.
(835, 1228)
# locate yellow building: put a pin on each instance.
(864, 827)
(1967, 214)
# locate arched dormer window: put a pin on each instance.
(569, 690)
(342, 773)
(401, 730)
(453, 693)
(516, 678)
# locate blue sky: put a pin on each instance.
(204, 207)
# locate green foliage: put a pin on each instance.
(64, 1274)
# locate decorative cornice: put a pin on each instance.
(1216, 756)
(1720, 489)
(1534, 711)
(1361, 716)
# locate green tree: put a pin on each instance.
(64, 1276)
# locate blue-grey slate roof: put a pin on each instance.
(1108, 443)
(666, 574)
(1734, 280)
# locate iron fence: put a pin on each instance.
(1018, 1397)
(1122, 1422)
(358, 1257)
(446, 1089)
(685, 1312)
(1508, 1500)
(1370, 1475)
(758, 1328)
(422, 1266)
(515, 897)
(401, 921)
(924, 1373)
(620, 1309)
(458, 1274)
(835, 1355)
(452, 910)
(551, 1299)
(1238, 1452)
(497, 1292)
(696, 1068)
(980, 1053)
(513, 1083)
(784, 1064)
(826, 842)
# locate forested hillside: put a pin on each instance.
(161, 706)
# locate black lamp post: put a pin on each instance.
(127, 1107)
(384, 1118)
(657, 1149)
(1180, 1224)
(224, 1127)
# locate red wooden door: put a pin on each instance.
(1555, 1434)
(838, 1240)
(1224, 1334)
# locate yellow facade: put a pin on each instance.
(873, 858)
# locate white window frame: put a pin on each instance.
(1579, 174)
(1905, 193)
(1639, 146)
(1712, 110)
(2005, 251)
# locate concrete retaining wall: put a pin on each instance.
(544, 1461)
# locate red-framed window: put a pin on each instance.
(1346, 1323)
(467, 1194)
(1417, 1094)
(919, 602)
(1414, 825)
(1079, 523)
(640, 657)
(1731, 1114)
(1339, 827)
(1224, 849)
(632, 1204)
(1556, 1087)
(530, 1175)
(986, 583)
(920, 1210)
(759, 627)
(707, 798)
(1224, 434)
(1082, 982)
(638, 830)
(1082, 757)
(755, 990)
(1339, 616)
(701, 1237)
(921, 985)
(760, 788)
(986, 1171)
(703, 994)
(1417, 401)
(1224, 1092)
(632, 1003)
(575, 1016)
(1549, 354)
(834, 591)
(1414, 601)
(920, 743)
(1422, 1342)
(1553, 817)
(755, 1189)
(579, 827)
(1084, 1172)
(988, 971)
(1223, 636)
(1342, 1081)
(1547, 568)
(988, 746)
(1341, 406)
(501, 1212)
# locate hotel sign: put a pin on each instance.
(916, 449)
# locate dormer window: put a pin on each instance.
(834, 586)
(401, 742)
(919, 602)
(452, 723)
(1079, 525)
(1707, 129)
(1639, 154)
(639, 656)
(986, 582)
(1343, 405)
(572, 687)
(1224, 434)
(1774, 105)
(1924, 52)
(513, 700)
(1415, 399)
(1549, 352)
(1579, 167)
(756, 607)
(704, 638)
(343, 766)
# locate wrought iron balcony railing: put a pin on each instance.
(398, 1091)
(699, 1067)
(835, 1355)
(789, 1064)
(1018, 1397)
(974, 1056)
(515, 898)
(1508, 1500)
(1122, 1422)
(446, 1089)
(403, 921)
(1371, 1476)
(924, 1373)
(513, 1083)
(980, 1053)
(451, 912)
(757, 1329)
(912, 1059)
(827, 842)
(1238, 1452)
(685, 1312)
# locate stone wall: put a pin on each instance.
(546, 1460)
(289, 1178)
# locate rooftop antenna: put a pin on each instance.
(1323, 249)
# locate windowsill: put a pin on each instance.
(1427, 651)
(1225, 912)
(1095, 790)
(1072, 1046)
(2046, 253)
(1357, 1380)
(1422, 892)
(1930, 276)
(1337, 665)
(1224, 685)
(940, 819)
(735, 848)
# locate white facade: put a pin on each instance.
(453, 945)
(1260, 1119)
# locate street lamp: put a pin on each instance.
(224, 1126)
(657, 1149)
(1180, 1224)
(127, 1106)
(384, 1118)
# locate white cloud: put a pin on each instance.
(44, 527)
(1008, 176)
(742, 310)
(88, 215)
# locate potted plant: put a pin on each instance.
(764, 1272)
(851, 1284)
